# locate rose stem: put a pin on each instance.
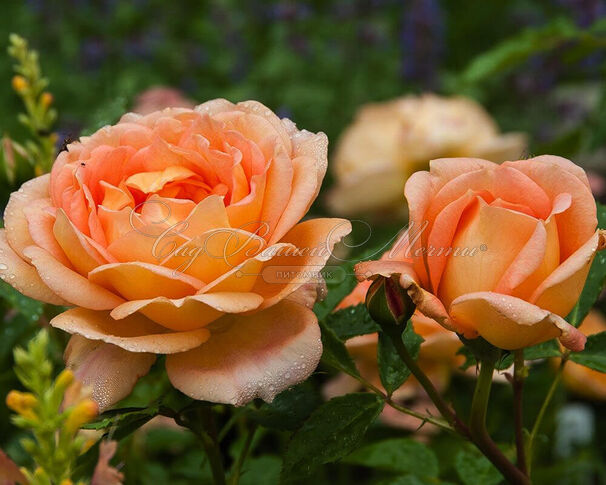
(519, 374)
(479, 434)
(447, 412)
(544, 406)
(234, 479)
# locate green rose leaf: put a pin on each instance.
(392, 370)
(351, 322)
(335, 353)
(595, 280)
(594, 355)
(474, 468)
(331, 433)
(398, 455)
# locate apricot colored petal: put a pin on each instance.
(40, 222)
(137, 281)
(81, 254)
(26, 279)
(69, 285)
(481, 230)
(135, 333)
(555, 180)
(560, 291)
(510, 323)
(258, 355)
(191, 312)
(304, 190)
(15, 222)
(110, 371)
(314, 240)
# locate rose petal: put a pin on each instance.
(24, 277)
(102, 367)
(138, 281)
(255, 356)
(560, 291)
(191, 312)
(68, 284)
(511, 323)
(135, 333)
(17, 232)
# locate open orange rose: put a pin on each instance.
(176, 233)
(498, 251)
(388, 141)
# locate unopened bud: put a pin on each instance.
(82, 413)
(19, 83)
(22, 403)
(388, 303)
(46, 99)
(64, 380)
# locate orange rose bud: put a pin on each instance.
(19, 83)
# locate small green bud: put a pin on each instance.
(387, 302)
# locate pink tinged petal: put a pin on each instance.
(69, 285)
(24, 277)
(565, 164)
(10, 472)
(15, 222)
(110, 371)
(304, 190)
(40, 222)
(137, 281)
(489, 254)
(278, 188)
(135, 333)
(418, 191)
(575, 225)
(191, 312)
(511, 323)
(82, 255)
(312, 145)
(444, 170)
(255, 356)
(429, 305)
(560, 291)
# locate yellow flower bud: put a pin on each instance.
(82, 413)
(22, 403)
(66, 481)
(64, 380)
(19, 83)
(46, 99)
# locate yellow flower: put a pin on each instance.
(82, 413)
(22, 403)
(46, 99)
(20, 83)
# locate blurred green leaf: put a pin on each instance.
(399, 455)
(392, 370)
(544, 350)
(595, 280)
(351, 322)
(332, 432)
(262, 470)
(335, 353)
(594, 355)
(473, 469)
(29, 308)
(289, 408)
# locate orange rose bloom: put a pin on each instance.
(177, 233)
(498, 251)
